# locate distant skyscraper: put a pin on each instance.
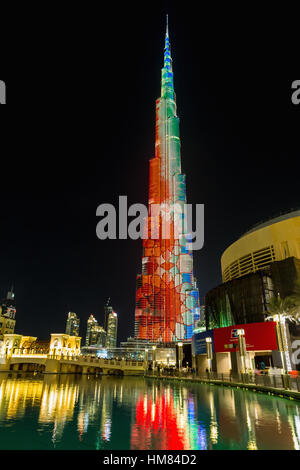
(167, 298)
(95, 334)
(112, 330)
(73, 323)
(107, 310)
(8, 314)
(92, 322)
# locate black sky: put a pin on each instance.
(79, 131)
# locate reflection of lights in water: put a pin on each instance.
(153, 412)
(278, 421)
(107, 429)
(202, 441)
(169, 422)
(173, 421)
(295, 430)
(80, 424)
(85, 422)
(214, 432)
(252, 445)
(252, 436)
(249, 422)
(54, 433)
(297, 427)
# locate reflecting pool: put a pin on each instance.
(85, 412)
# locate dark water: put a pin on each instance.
(67, 412)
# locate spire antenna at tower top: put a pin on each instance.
(167, 28)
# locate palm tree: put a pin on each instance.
(281, 310)
(295, 299)
(289, 307)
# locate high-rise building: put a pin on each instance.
(98, 336)
(8, 314)
(107, 310)
(112, 330)
(95, 334)
(92, 322)
(73, 324)
(167, 298)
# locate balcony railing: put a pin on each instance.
(275, 381)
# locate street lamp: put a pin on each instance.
(146, 358)
(154, 356)
(194, 362)
(243, 349)
(180, 355)
(282, 342)
(209, 352)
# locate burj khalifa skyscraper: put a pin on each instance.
(167, 298)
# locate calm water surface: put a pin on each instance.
(69, 412)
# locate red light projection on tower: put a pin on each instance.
(167, 298)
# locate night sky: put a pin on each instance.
(79, 132)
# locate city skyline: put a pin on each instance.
(238, 133)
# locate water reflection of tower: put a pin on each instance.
(195, 432)
(165, 419)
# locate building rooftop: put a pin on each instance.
(273, 220)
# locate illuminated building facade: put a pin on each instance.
(167, 298)
(262, 262)
(107, 310)
(276, 239)
(112, 330)
(73, 324)
(8, 315)
(95, 334)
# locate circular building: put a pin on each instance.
(273, 240)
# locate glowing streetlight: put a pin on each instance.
(146, 358)
(154, 356)
(209, 352)
(180, 355)
(243, 349)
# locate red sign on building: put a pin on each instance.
(258, 337)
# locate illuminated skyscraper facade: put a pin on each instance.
(107, 310)
(95, 334)
(73, 324)
(112, 330)
(167, 298)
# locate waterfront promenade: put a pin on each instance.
(283, 386)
